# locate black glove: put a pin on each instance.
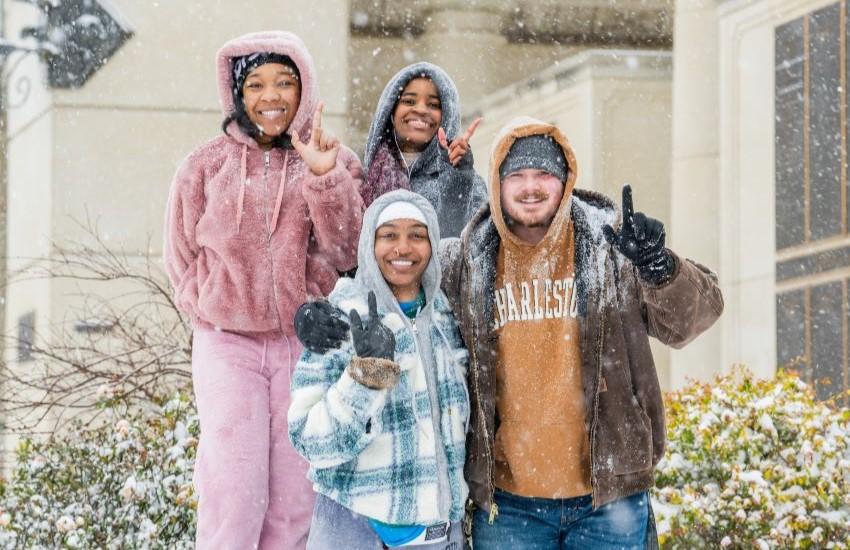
(373, 339)
(320, 326)
(641, 240)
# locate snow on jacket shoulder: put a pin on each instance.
(250, 234)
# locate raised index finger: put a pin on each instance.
(472, 127)
(317, 116)
(356, 324)
(373, 306)
(628, 209)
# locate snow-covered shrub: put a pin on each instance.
(754, 464)
(126, 484)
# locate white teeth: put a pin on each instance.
(402, 263)
(272, 114)
(418, 124)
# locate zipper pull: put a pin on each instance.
(413, 326)
(494, 511)
(266, 159)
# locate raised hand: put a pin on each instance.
(320, 326)
(641, 240)
(459, 146)
(321, 151)
(372, 339)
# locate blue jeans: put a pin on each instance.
(562, 524)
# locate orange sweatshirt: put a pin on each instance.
(542, 447)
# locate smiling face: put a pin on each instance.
(417, 115)
(530, 199)
(403, 250)
(271, 94)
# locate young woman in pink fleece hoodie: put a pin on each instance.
(259, 219)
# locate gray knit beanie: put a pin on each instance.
(539, 152)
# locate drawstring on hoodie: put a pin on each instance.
(243, 173)
(407, 168)
(279, 193)
(243, 181)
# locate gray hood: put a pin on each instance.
(369, 274)
(382, 121)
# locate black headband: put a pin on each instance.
(242, 66)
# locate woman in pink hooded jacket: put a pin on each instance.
(259, 219)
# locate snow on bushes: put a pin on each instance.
(126, 484)
(749, 464)
(754, 464)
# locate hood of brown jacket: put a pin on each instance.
(518, 128)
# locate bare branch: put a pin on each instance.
(124, 338)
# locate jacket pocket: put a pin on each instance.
(625, 431)
(635, 453)
(223, 301)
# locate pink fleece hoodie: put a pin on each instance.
(244, 250)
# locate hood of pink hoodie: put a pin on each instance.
(280, 42)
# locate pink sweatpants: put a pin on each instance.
(252, 486)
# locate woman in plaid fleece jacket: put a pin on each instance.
(385, 432)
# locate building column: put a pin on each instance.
(463, 39)
(324, 27)
(695, 190)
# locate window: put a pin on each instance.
(26, 336)
(813, 247)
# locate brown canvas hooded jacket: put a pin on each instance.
(618, 313)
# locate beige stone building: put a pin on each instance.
(704, 106)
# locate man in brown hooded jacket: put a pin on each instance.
(557, 307)
(557, 294)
